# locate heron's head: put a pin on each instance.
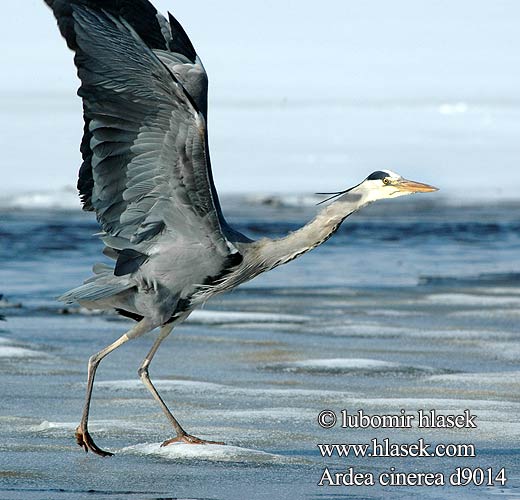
(380, 185)
(387, 184)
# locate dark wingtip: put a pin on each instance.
(129, 261)
(140, 14)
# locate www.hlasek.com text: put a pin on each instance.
(385, 448)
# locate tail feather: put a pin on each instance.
(100, 268)
(91, 292)
(104, 284)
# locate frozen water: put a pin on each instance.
(338, 329)
(210, 452)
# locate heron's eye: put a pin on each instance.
(386, 181)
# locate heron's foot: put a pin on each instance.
(189, 439)
(87, 443)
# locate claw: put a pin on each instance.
(189, 439)
(87, 443)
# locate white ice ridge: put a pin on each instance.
(161, 384)
(11, 351)
(212, 317)
(17, 352)
(379, 404)
(343, 364)
(480, 378)
(211, 452)
(453, 108)
(466, 299)
(122, 425)
(65, 198)
(8, 351)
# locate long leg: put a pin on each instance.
(181, 434)
(82, 435)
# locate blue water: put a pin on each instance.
(412, 305)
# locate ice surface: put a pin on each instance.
(163, 385)
(211, 452)
(477, 379)
(339, 328)
(207, 388)
(7, 351)
(473, 299)
(68, 428)
(345, 365)
(216, 317)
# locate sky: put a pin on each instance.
(304, 96)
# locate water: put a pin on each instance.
(413, 305)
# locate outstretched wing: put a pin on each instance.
(146, 169)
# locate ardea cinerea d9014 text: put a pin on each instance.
(146, 173)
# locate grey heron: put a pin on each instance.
(146, 174)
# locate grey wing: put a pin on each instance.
(146, 139)
(157, 33)
(187, 67)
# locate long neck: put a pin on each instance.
(314, 233)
